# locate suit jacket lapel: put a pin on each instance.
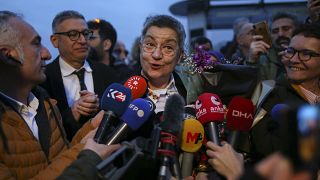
(55, 80)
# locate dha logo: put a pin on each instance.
(140, 113)
(215, 101)
(236, 113)
(195, 137)
(198, 104)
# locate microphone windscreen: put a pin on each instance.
(240, 114)
(116, 98)
(209, 108)
(138, 86)
(192, 135)
(173, 114)
(277, 111)
(151, 104)
(137, 113)
(308, 117)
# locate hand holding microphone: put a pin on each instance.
(114, 102)
(225, 160)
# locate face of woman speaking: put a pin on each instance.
(159, 55)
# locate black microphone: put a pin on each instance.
(171, 127)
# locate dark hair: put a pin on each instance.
(165, 21)
(281, 15)
(105, 29)
(308, 30)
(64, 15)
(200, 40)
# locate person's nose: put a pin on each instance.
(45, 54)
(82, 39)
(157, 54)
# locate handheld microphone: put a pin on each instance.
(192, 138)
(138, 86)
(239, 117)
(136, 114)
(209, 111)
(171, 127)
(114, 102)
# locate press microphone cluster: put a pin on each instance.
(115, 100)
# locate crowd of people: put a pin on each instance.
(49, 113)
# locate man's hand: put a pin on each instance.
(102, 150)
(257, 47)
(86, 105)
(313, 9)
(225, 160)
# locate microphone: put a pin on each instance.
(308, 118)
(192, 138)
(170, 130)
(209, 111)
(138, 86)
(114, 102)
(239, 117)
(136, 114)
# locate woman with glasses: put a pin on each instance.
(161, 48)
(300, 86)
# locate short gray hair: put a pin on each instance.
(64, 15)
(165, 21)
(9, 35)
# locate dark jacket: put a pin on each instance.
(102, 75)
(268, 135)
(82, 168)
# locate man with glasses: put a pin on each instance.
(267, 56)
(302, 85)
(74, 82)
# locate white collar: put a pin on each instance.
(67, 69)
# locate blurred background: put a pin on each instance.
(211, 18)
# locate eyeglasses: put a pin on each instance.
(166, 49)
(74, 34)
(304, 55)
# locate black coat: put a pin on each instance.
(102, 76)
(268, 135)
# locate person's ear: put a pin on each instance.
(9, 56)
(107, 44)
(182, 56)
(54, 40)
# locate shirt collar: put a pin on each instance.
(33, 102)
(310, 96)
(67, 69)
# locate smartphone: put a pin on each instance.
(261, 28)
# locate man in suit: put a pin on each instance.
(74, 82)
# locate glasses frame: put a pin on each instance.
(309, 54)
(145, 49)
(77, 35)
